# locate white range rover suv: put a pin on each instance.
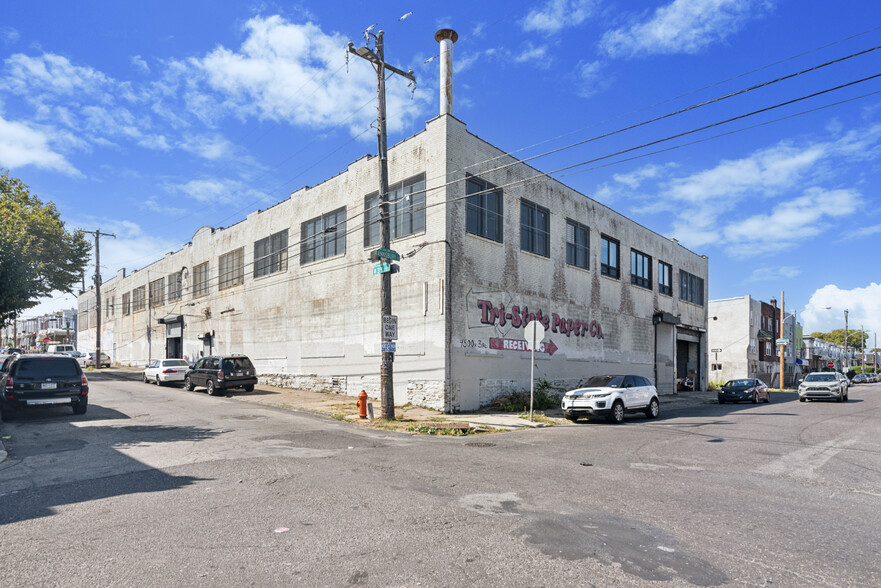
(612, 397)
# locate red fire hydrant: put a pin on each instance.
(362, 405)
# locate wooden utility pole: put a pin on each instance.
(781, 347)
(98, 234)
(386, 380)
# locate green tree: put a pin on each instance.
(37, 254)
(855, 338)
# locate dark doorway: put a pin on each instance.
(174, 348)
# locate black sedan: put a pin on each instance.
(745, 389)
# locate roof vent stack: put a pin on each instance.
(446, 38)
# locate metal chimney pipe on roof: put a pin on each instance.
(446, 38)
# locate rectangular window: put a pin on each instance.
(483, 209)
(665, 278)
(174, 286)
(610, 262)
(108, 306)
(127, 303)
(271, 254)
(231, 269)
(577, 244)
(139, 298)
(200, 279)
(691, 288)
(406, 209)
(535, 228)
(640, 269)
(157, 292)
(323, 236)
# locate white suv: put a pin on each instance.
(612, 397)
(823, 385)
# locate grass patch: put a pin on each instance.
(431, 429)
(713, 386)
(538, 417)
(544, 397)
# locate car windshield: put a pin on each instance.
(605, 382)
(820, 378)
(237, 364)
(733, 383)
(172, 362)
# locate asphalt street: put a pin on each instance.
(162, 487)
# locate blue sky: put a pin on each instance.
(152, 119)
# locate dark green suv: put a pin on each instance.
(221, 372)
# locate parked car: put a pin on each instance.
(612, 397)
(222, 372)
(90, 359)
(823, 385)
(862, 379)
(42, 380)
(744, 389)
(164, 371)
(79, 356)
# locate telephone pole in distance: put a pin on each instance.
(98, 235)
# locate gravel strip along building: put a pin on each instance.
(487, 244)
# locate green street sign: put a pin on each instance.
(381, 268)
(783, 341)
(383, 253)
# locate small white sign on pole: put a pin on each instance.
(533, 332)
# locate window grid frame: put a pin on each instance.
(606, 268)
(665, 278)
(533, 236)
(201, 278)
(271, 254)
(640, 265)
(231, 269)
(478, 212)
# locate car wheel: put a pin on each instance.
(158, 381)
(721, 401)
(840, 396)
(756, 397)
(653, 409)
(209, 388)
(146, 381)
(571, 417)
(249, 388)
(81, 406)
(845, 396)
(188, 384)
(768, 398)
(617, 414)
(800, 399)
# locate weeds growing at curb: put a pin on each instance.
(538, 417)
(545, 396)
(428, 429)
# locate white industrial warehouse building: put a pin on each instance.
(487, 243)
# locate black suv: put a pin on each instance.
(222, 372)
(42, 380)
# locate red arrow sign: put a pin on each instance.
(520, 345)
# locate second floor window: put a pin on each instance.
(406, 210)
(483, 209)
(157, 292)
(271, 254)
(200, 279)
(139, 298)
(610, 261)
(127, 303)
(577, 244)
(174, 286)
(323, 237)
(640, 269)
(665, 278)
(231, 269)
(535, 228)
(691, 288)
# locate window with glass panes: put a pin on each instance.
(691, 288)
(157, 292)
(127, 303)
(174, 286)
(406, 209)
(577, 244)
(610, 261)
(200, 279)
(271, 254)
(139, 298)
(231, 269)
(535, 228)
(323, 236)
(483, 209)
(665, 278)
(640, 269)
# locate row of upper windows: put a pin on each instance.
(325, 236)
(484, 217)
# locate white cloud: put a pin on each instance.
(863, 305)
(556, 15)
(865, 231)
(155, 205)
(52, 74)
(8, 35)
(534, 54)
(765, 274)
(220, 191)
(292, 72)
(635, 178)
(140, 64)
(683, 26)
(21, 145)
